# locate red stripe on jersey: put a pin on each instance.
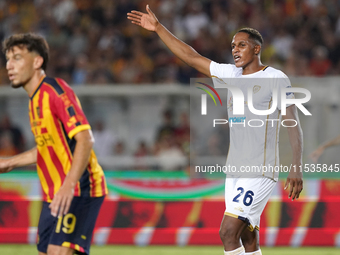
(46, 174)
(41, 97)
(103, 185)
(57, 163)
(92, 181)
(62, 135)
(32, 109)
(77, 190)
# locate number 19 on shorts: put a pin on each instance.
(68, 222)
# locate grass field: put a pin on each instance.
(172, 250)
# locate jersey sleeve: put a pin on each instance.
(283, 82)
(221, 70)
(67, 109)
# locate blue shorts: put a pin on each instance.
(74, 229)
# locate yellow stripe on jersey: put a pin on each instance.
(98, 173)
(53, 171)
(78, 129)
(44, 184)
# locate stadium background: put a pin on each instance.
(136, 95)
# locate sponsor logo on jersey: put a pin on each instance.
(256, 89)
(38, 112)
(239, 209)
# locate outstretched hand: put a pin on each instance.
(316, 154)
(145, 20)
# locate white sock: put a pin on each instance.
(238, 251)
(258, 252)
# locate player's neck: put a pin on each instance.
(252, 67)
(34, 82)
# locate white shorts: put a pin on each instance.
(245, 198)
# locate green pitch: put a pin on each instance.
(172, 250)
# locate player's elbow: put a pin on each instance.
(193, 60)
(90, 141)
(85, 138)
(199, 63)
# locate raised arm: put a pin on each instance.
(294, 179)
(23, 159)
(318, 152)
(182, 50)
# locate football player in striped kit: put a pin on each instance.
(73, 183)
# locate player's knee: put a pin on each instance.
(250, 240)
(58, 250)
(52, 251)
(229, 234)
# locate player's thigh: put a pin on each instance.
(74, 230)
(59, 250)
(250, 239)
(46, 227)
(246, 198)
(231, 227)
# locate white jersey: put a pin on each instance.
(254, 139)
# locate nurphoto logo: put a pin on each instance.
(279, 99)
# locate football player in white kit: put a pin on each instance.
(245, 198)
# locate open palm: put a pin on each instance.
(145, 20)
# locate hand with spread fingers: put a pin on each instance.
(61, 202)
(145, 20)
(294, 183)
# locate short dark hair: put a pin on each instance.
(33, 42)
(253, 34)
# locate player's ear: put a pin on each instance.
(38, 61)
(257, 49)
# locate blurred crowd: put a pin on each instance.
(92, 42)
(171, 147)
(169, 151)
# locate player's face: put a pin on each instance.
(20, 66)
(243, 49)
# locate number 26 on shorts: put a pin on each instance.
(248, 196)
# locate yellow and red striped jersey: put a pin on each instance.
(56, 116)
